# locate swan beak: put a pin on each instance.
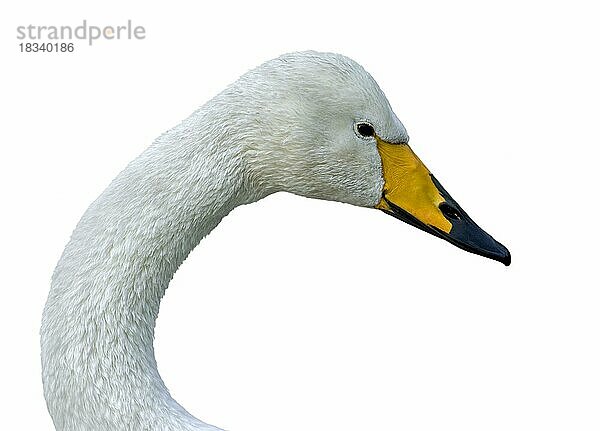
(412, 194)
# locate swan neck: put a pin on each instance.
(98, 362)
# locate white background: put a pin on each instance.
(296, 314)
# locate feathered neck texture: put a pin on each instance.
(98, 361)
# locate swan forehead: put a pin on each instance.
(341, 90)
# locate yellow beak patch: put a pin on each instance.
(408, 185)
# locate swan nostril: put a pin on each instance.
(449, 211)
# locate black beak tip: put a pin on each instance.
(502, 255)
(464, 233)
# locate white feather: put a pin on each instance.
(287, 125)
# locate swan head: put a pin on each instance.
(322, 128)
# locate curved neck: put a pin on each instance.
(98, 360)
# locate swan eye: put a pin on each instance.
(365, 130)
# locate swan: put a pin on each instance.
(309, 123)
